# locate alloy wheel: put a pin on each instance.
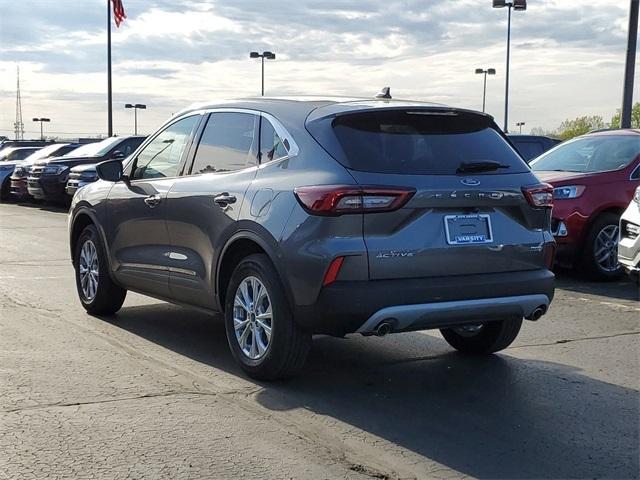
(89, 270)
(252, 317)
(605, 248)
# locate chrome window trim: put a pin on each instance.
(282, 132)
(635, 173)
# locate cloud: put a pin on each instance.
(187, 50)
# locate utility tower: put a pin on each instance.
(18, 126)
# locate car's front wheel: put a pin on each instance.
(98, 293)
(601, 248)
(483, 338)
(262, 334)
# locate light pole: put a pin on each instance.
(521, 124)
(42, 120)
(136, 107)
(262, 56)
(488, 71)
(516, 5)
(627, 93)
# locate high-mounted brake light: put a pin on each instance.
(540, 195)
(334, 200)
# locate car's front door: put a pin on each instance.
(204, 204)
(137, 231)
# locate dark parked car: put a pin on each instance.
(594, 176)
(298, 217)
(530, 146)
(9, 157)
(19, 176)
(48, 179)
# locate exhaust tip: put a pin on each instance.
(383, 329)
(537, 313)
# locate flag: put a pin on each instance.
(118, 12)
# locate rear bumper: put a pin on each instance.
(346, 307)
(423, 316)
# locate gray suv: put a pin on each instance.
(302, 216)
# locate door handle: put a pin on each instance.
(153, 200)
(224, 199)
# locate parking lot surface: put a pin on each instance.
(154, 393)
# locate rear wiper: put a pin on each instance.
(483, 166)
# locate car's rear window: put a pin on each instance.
(414, 142)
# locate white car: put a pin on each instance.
(629, 243)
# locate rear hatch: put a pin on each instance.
(468, 214)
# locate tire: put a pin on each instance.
(106, 297)
(283, 352)
(5, 190)
(604, 225)
(491, 337)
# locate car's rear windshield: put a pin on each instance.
(415, 142)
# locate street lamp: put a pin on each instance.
(516, 5)
(520, 124)
(41, 120)
(136, 107)
(488, 71)
(263, 55)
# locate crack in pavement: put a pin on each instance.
(170, 393)
(570, 340)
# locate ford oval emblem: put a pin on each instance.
(470, 182)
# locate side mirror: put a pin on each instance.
(118, 154)
(110, 170)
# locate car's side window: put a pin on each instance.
(271, 145)
(161, 157)
(227, 143)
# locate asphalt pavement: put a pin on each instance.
(154, 392)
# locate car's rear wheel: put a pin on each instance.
(97, 291)
(264, 338)
(600, 254)
(483, 338)
(5, 190)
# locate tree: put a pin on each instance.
(635, 117)
(579, 126)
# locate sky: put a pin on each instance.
(567, 57)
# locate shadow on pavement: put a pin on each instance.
(493, 417)
(623, 289)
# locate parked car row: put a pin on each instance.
(44, 172)
(594, 178)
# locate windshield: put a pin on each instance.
(416, 142)
(44, 152)
(94, 149)
(590, 154)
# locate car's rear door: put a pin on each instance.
(203, 205)
(456, 223)
(137, 231)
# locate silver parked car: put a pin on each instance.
(629, 243)
(295, 217)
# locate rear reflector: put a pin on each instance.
(540, 195)
(332, 271)
(549, 255)
(334, 200)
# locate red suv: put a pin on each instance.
(594, 177)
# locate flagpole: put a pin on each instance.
(109, 99)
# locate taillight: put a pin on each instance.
(333, 200)
(540, 195)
